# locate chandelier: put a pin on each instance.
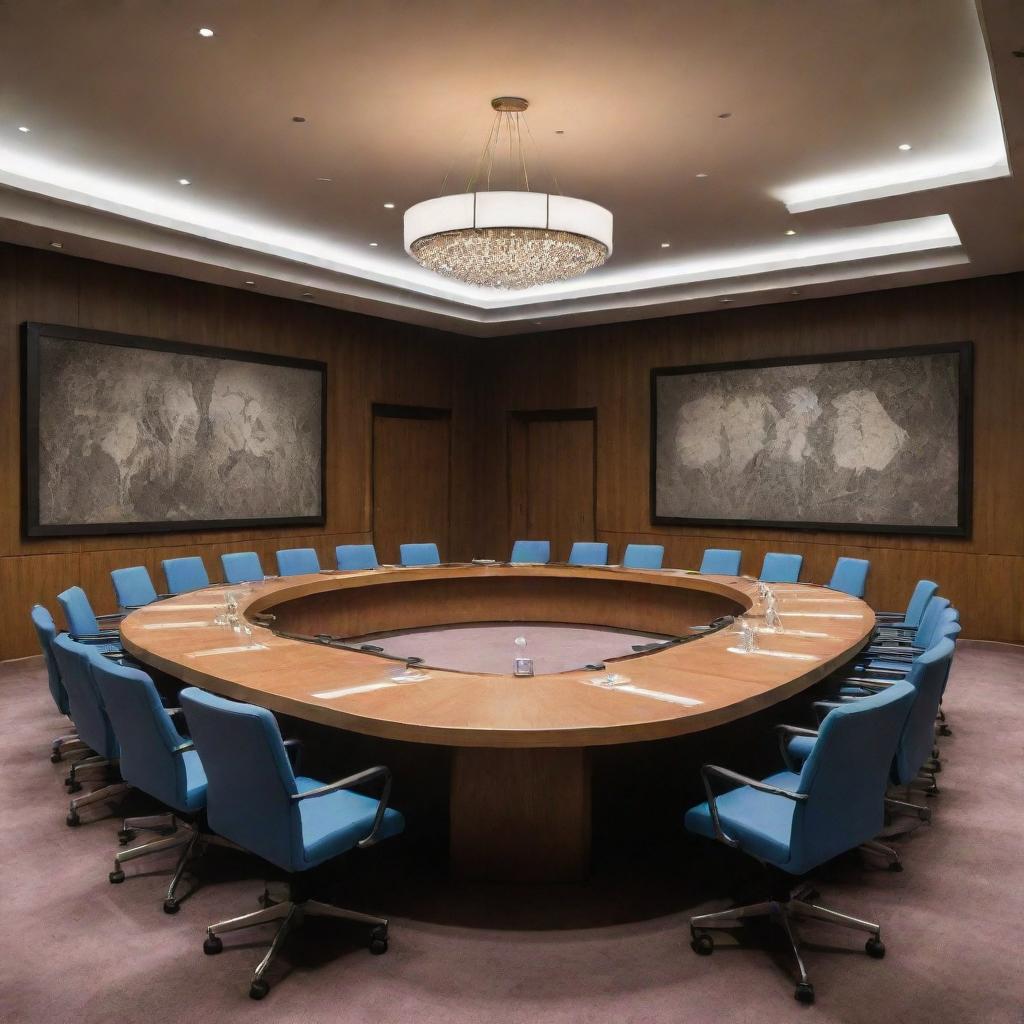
(507, 238)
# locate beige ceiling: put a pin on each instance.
(123, 98)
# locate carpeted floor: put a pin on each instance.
(76, 950)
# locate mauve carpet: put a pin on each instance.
(76, 950)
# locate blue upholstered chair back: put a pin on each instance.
(78, 613)
(132, 587)
(146, 735)
(241, 567)
(781, 568)
(850, 576)
(249, 779)
(845, 777)
(531, 551)
(721, 561)
(643, 556)
(588, 552)
(419, 554)
(185, 574)
(928, 675)
(923, 593)
(42, 621)
(930, 620)
(297, 561)
(85, 706)
(356, 556)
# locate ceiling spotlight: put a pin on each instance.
(389, 206)
(559, 131)
(206, 33)
(299, 120)
(794, 291)
(184, 181)
(24, 128)
(722, 117)
(250, 283)
(725, 300)
(666, 245)
(904, 146)
(57, 245)
(701, 174)
(373, 245)
(307, 295)
(790, 231)
(325, 179)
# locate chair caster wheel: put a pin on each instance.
(115, 877)
(896, 865)
(171, 906)
(72, 819)
(125, 836)
(804, 993)
(379, 940)
(875, 947)
(702, 945)
(213, 945)
(258, 989)
(73, 787)
(55, 758)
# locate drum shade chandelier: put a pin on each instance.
(513, 238)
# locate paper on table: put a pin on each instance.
(639, 691)
(776, 654)
(346, 690)
(161, 606)
(175, 625)
(228, 650)
(821, 615)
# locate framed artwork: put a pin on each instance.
(875, 441)
(123, 434)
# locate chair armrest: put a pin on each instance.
(293, 748)
(103, 637)
(360, 778)
(709, 770)
(890, 616)
(182, 747)
(879, 681)
(112, 615)
(785, 731)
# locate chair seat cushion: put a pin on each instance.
(335, 822)
(760, 822)
(800, 748)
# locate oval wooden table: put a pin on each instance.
(520, 782)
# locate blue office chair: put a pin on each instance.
(534, 551)
(84, 624)
(419, 554)
(46, 631)
(157, 760)
(255, 799)
(241, 567)
(133, 587)
(905, 646)
(721, 562)
(850, 576)
(356, 556)
(185, 574)
(586, 552)
(792, 822)
(780, 568)
(923, 592)
(74, 662)
(643, 556)
(297, 561)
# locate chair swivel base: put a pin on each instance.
(291, 914)
(100, 795)
(785, 913)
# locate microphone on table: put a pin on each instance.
(720, 623)
(597, 666)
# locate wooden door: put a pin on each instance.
(411, 478)
(552, 484)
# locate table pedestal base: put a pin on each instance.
(520, 815)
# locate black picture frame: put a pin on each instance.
(33, 332)
(965, 410)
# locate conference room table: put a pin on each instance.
(520, 785)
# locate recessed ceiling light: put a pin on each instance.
(389, 206)
(666, 245)
(559, 131)
(206, 33)
(24, 128)
(325, 179)
(57, 245)
(725, 300)
(373, 245)
(701, 174)
(790, 231)
(250, 282)
(307, 295)
(794, 291)
(299, 120)
(724, 116)
(184, 181)
(904, 146)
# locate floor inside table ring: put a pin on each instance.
(491, 646)
(75, 948)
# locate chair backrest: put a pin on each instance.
(241, 567)
(249, 779)
(297, 561)
(78, 613)
(924, 591)
(74, 662)
(146, 735)
(588, 552)
(845, 777)
(930, 619)
(531, 551)
(643, 556)
(132, 587)
(850, 576)
(419, 554)
(721, 561)
(184, 574)
(781, 568)
(42, 621)
(356, 556)
(928, 675)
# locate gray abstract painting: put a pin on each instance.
(129, 435)
(857, 443)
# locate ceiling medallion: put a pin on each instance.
(507, 238)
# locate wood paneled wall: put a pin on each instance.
(369, 360)
(608, 367)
